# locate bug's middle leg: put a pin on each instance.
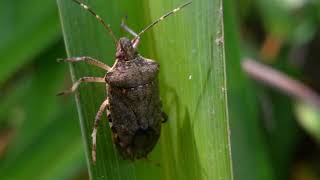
(83, 79)
(102, 108)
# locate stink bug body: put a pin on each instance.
(133, 104)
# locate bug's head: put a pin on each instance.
(125, 50)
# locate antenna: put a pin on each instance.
(161, 19)
(107, 26)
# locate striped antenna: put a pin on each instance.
(107, 26)
(161, 19)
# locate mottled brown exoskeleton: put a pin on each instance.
(133, 104)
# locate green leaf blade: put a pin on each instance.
(189, 47)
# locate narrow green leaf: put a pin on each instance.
(309, 118)
(250, 157)
(189, 47)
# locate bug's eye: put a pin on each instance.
(120, 54)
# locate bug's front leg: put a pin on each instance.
(83, 79)
(102, 108)
(129, 30)
(88, 60)
(136, 39)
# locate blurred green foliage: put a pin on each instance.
(249, 154)
(284, 35)
(39, 132)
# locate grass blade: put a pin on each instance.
(189, 46)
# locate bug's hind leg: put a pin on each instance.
(83, 79)
(88, 60)
(95, 128)
(164, 117)
(109, 115)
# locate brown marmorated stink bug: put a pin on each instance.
(133, 104)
